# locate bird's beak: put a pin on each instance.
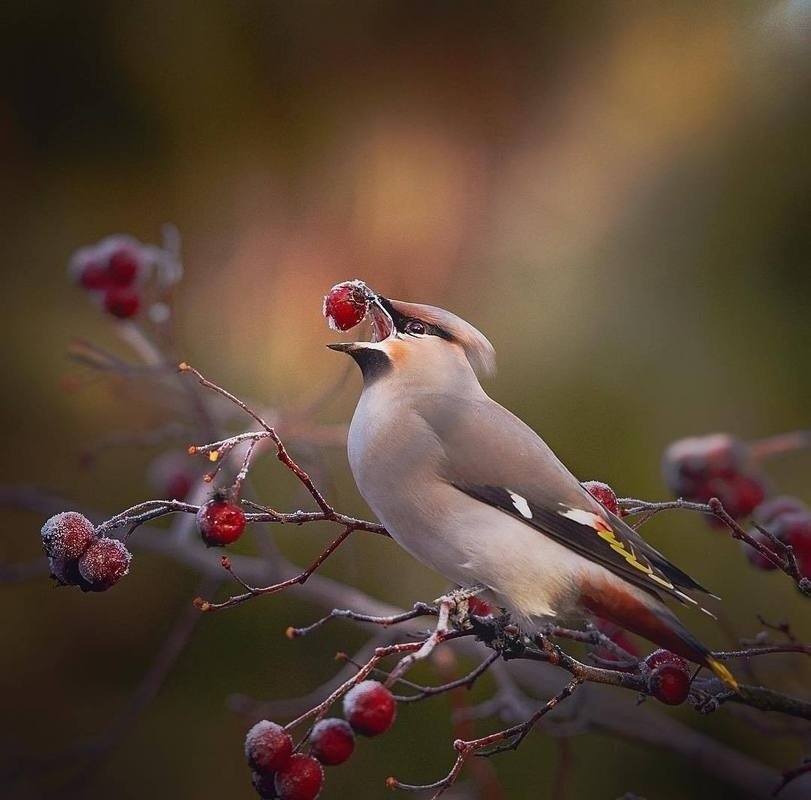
(344, 347)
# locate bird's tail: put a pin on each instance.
(654, 621)
(683, 643)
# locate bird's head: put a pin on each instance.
(419, 343)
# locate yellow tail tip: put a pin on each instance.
(723, 673)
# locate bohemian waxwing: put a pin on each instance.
(474, 493)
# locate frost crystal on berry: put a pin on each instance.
(332, 741)
(67, 535)
(268, 747)
(370, 708)
(300, 779)
(104, 563)
(346, 304)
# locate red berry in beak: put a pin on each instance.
(220, 522)
(346, 304)
(300, 779)
(332, 741)
(370, 708)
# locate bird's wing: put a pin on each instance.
(493, 456)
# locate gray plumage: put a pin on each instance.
(473, 492)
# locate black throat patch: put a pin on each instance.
(373, 363)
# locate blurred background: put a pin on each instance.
(615, 193)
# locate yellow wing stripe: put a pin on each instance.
(628, 554)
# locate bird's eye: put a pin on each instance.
(415, 327)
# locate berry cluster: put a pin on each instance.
(113, 268)
(279, 772)
(668, 677)
(346, 304)
(78, 557)
(699, 468)
(789, 520)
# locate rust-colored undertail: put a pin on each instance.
(658, 626)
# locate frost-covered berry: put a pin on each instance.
(346, 304)
(332, 741)
(603, 494)
(264, 785)
(370, 708)
(67, 535)
(702, 467)
(300, 778)
(668, 677)
(104, 563)
(662, 656)
(670, 684)
(122, 301)
(220, 521)
(268, 747)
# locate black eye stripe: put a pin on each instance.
(401, 322)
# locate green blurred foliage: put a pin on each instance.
(615, 193)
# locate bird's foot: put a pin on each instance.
(453, 610)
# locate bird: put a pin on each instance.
(474, 493)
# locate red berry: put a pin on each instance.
(771, 509)
(221, 522)
(603, 494)
(670, 683)
(300, 779)
(346, 304)
(756, 559)
(332, 741)
(265, 785)
(662, 656)
(122, 301)
(479, 607)
(268, 747)
(370, 708)
(67, 535)
(700, 468)
(104, 563)
(94, 276)
(123, 266)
